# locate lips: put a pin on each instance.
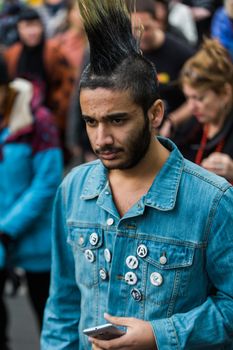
(107, 155)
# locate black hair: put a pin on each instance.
(28, 14)
(115, 59)
(4, 76)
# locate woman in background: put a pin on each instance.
(207, 82)
(30, 171)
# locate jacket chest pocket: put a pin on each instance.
(87, 249)
(166, 270)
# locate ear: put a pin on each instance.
(156, 113)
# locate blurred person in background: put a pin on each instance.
(202, 11)
(38, 59)
(73, 41)
(76, 50)
(180, 16)
(31, 170)
(168, 53)
(54, 15)
(207, 82)
(171, 22)
(9, 14)
(222, 26)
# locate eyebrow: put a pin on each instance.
(108, 116)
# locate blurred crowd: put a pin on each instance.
(43, 50)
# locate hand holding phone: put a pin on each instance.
(104, 332)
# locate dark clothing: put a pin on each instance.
(189, 137)
(38, 291)
(168, 60)
(31, 63)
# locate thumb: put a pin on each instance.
(119, 321)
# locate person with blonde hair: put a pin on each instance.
(207, 82)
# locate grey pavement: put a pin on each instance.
(22, 324)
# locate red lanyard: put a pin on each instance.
(199, 155)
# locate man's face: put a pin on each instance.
(144, 25)
(30, 32)
(117, 129)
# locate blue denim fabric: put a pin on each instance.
(186, 217)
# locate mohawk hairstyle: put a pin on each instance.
(116, 61)
(108, 27)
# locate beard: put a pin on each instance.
(135, 148)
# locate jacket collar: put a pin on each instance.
(163, 192)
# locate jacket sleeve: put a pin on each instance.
(47, 169)
(62, 313)
(210, 325)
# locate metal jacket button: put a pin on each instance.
(81, 240)
(163, 260)
(110, 222)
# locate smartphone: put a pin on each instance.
(104, 332)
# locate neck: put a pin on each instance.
(147, 168)
(159, 38)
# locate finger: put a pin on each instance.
(94, 344)
(217, 157)
(117, 344)
(119, 321)
(213, 164)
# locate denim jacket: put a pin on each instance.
(168, 260)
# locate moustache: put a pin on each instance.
(107, 149)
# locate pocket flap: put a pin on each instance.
(85, 237)
(166, 255)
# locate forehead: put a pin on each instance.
(197, 91)
(191, 90)
(29, 23)
(102, 102)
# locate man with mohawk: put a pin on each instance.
(141, 234)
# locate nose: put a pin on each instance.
(103, 136)
(192, 104)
